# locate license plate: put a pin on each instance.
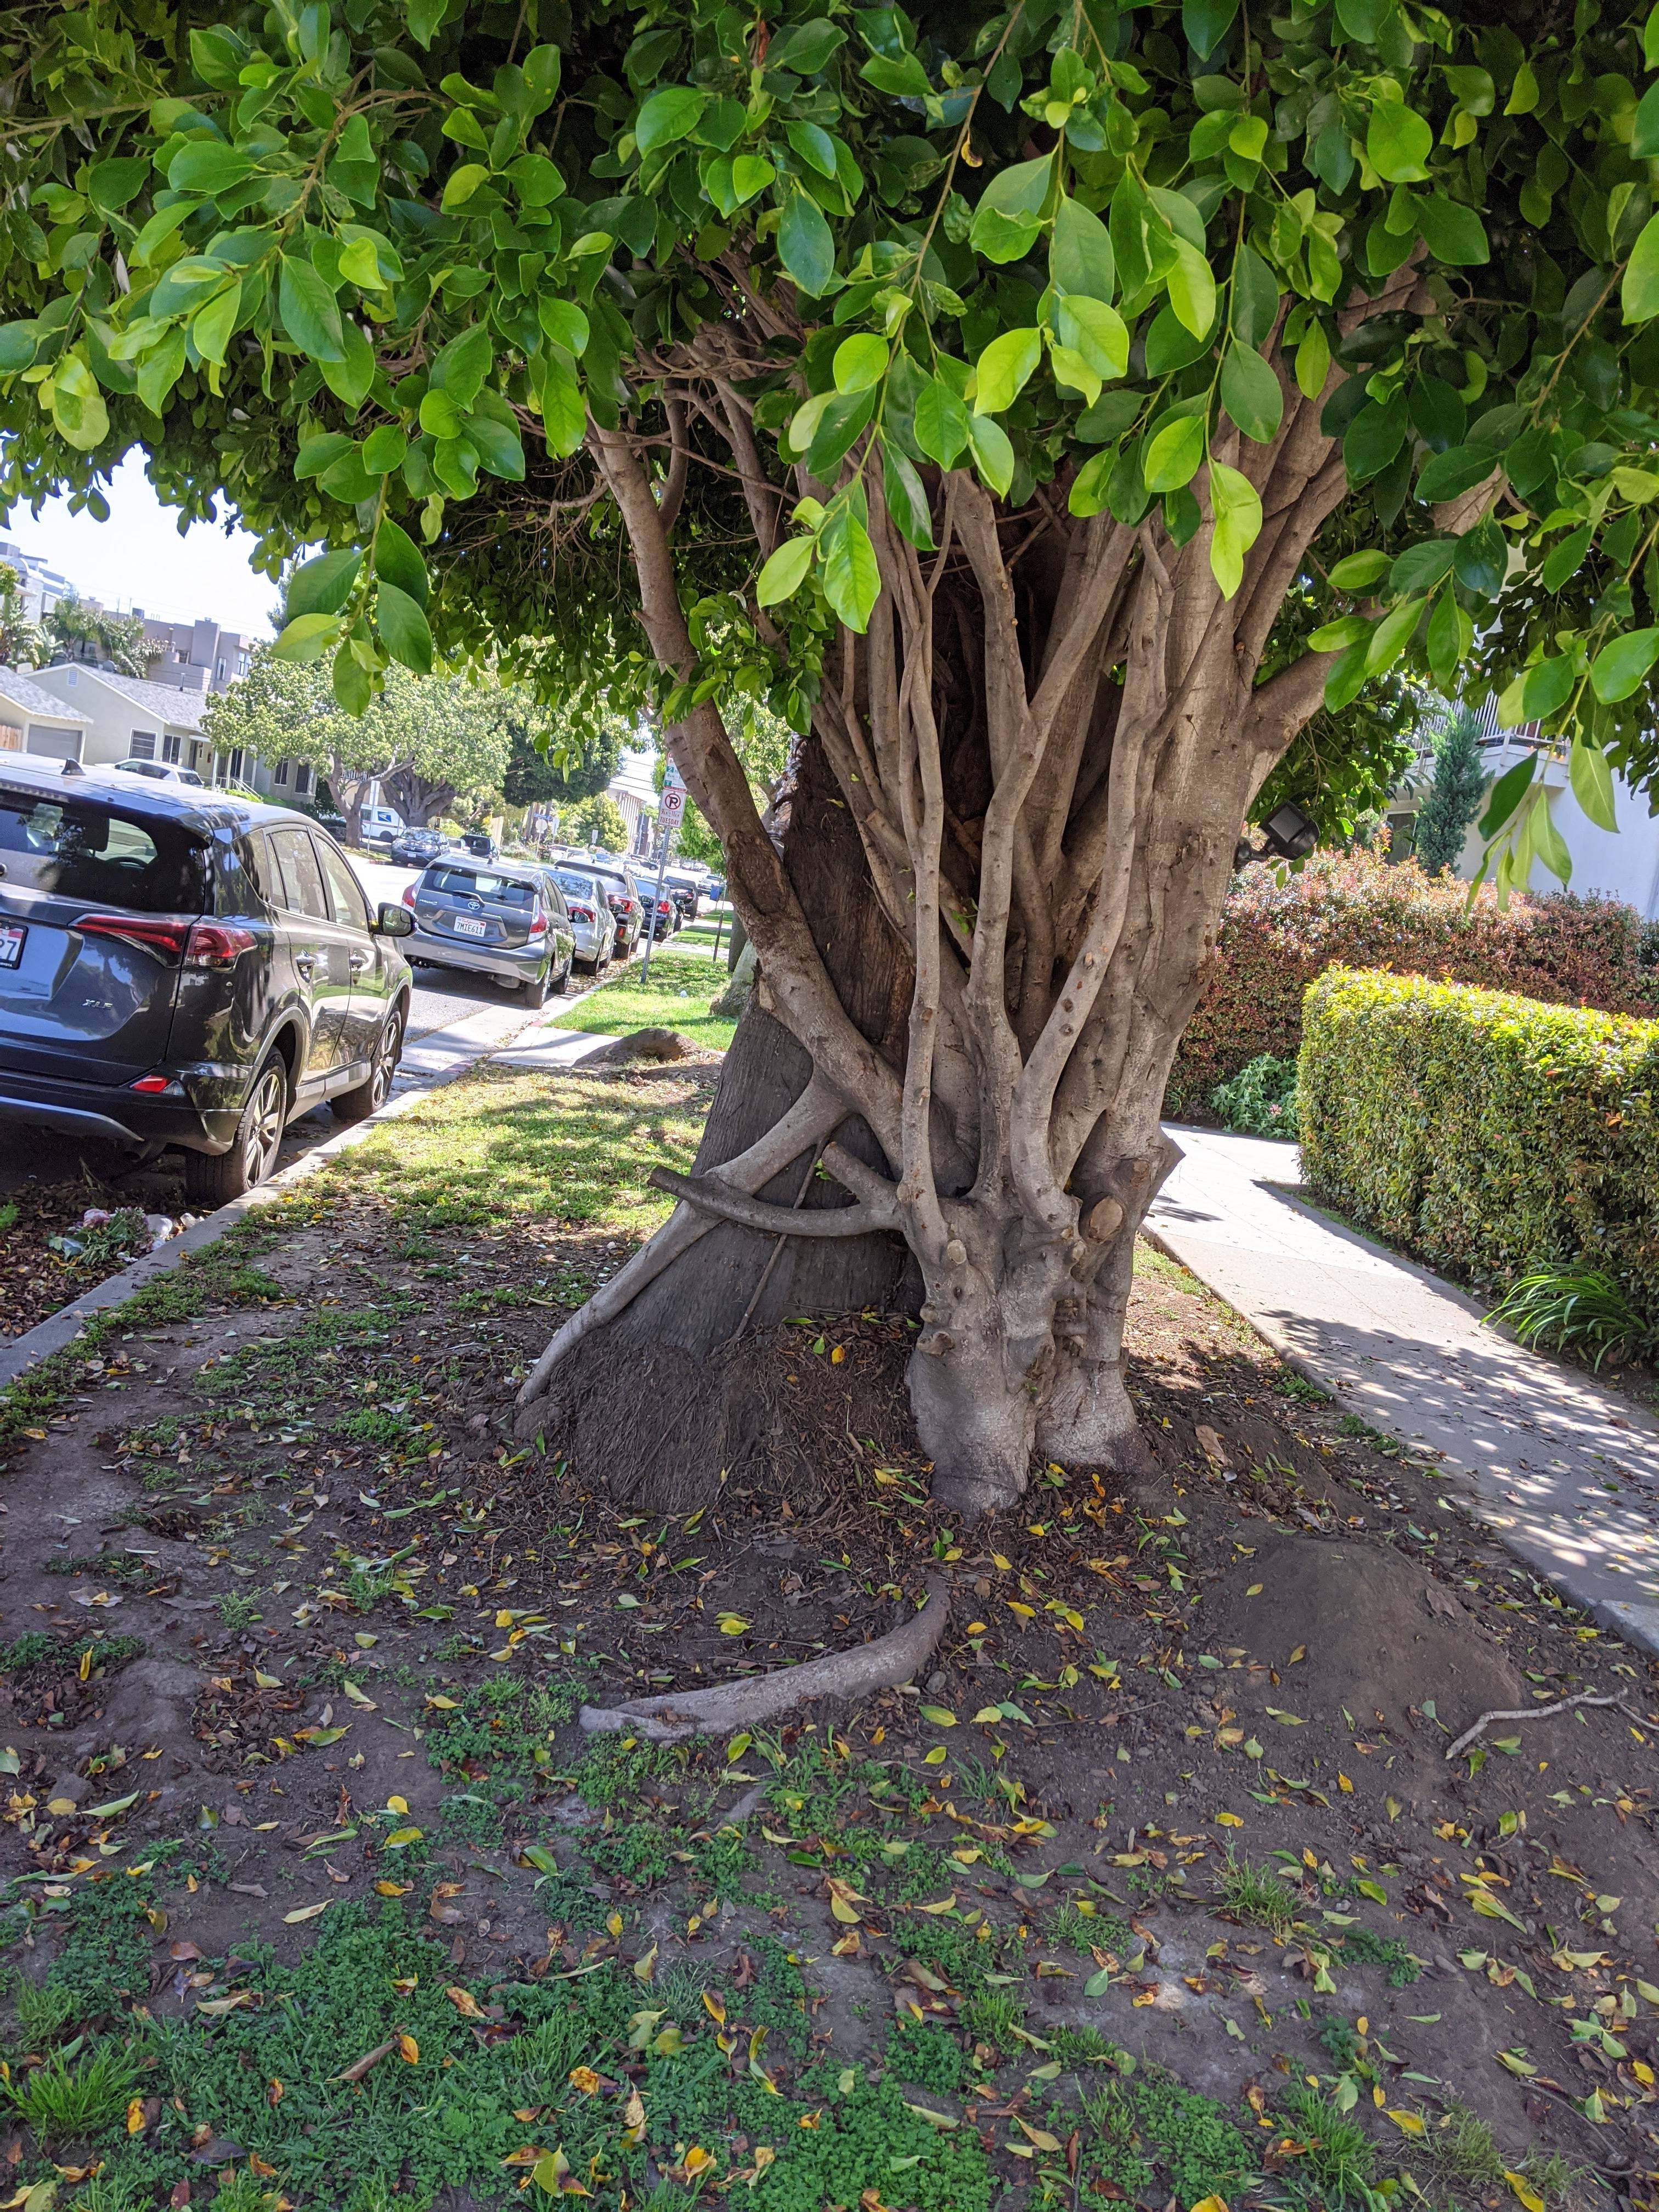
(463, 927)
(11, 944)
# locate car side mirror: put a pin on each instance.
(394, 921)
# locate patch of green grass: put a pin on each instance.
(1152, 2122)
(500, 1148)
(1256, 1894)
(104, 1652)
(104, 1966)
(1465, 2148)
(504, 1723)
(223, 1275)
(72, 2099)
(237, 1610)
(991, 2015)
(676, 997)
(1337, 2156)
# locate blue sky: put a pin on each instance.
(137, 557)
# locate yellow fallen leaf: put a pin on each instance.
(464, 2002)
(134, 2116)
(408, 2049)
(392, 1888)
(1004, 1566)
(715, 2007)
(939, 1904)
(1211, 2205)
(1255, 1590)
(614, 1926)
(986, 1715)
(1344, 1784)
(1228, 1821)
(585, 2079)
(940, 1716)
(401, 1837)
(1524, 2190)
(645, 1967)
(445, 1705)
(308, 1911)
(396, 1804)
(60, 1805)
(697, 2160)
(1039, 2136)
(733, 1623)
(1025, 1612)
(1409, 2124)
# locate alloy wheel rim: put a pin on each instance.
(385, 1061)
(265, 1127)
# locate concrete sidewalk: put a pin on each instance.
(1564, 1470)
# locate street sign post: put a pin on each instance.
(670, 808)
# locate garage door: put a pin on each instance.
(56, 744)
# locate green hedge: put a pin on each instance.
(1484, 1133)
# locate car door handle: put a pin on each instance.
(304, 962)
(360, 960)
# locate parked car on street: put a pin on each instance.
(590, 916)
(665, 912)
(686, 891)
(162, 772)
(415, 848)
(505, 919)
(186, 967)
(626, 903)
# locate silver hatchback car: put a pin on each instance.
(591, 918)
(503, 919)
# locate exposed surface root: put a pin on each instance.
(1530, 1713)
(880, 1664)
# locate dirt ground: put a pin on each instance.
(293, 1625)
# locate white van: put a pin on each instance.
(381, 825)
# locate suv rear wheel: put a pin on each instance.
(213, 1179)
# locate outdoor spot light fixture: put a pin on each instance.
(1287, 834)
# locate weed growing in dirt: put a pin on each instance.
(67, 2100)
(45, 2012)
(1363, 1947)
(1337, 2156)
(1256, 1894)
(1465, 2148)
(105, 1954)
(504, 1723)
(100, 1654)
(238, 1611)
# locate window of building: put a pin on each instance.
(198, 752)
(219, 669)
(234, 768)
(173, 745)
(301, 781)
(143, 746)
(279, 774)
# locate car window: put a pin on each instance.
(480, 883)
(351, 906)
(82, 849)
(581, 887)
(301, 878)
(555, 898)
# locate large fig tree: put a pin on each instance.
(974, 387)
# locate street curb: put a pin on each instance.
(1637, 1625)
(61, 1328)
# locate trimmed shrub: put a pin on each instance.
(1488, 1135)
(1356, 910)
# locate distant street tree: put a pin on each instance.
(1453, 798)
(597, 820)
(428, 741)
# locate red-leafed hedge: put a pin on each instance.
(1356, 911)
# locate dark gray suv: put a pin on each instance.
(182, 967)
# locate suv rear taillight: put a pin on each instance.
(185, 944)
(217, 944)
(538, 927)
(166, 939)
(409, 894)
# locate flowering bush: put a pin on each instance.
(1356, 910)
(1260, 1099)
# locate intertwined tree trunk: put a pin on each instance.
(1041, 756)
